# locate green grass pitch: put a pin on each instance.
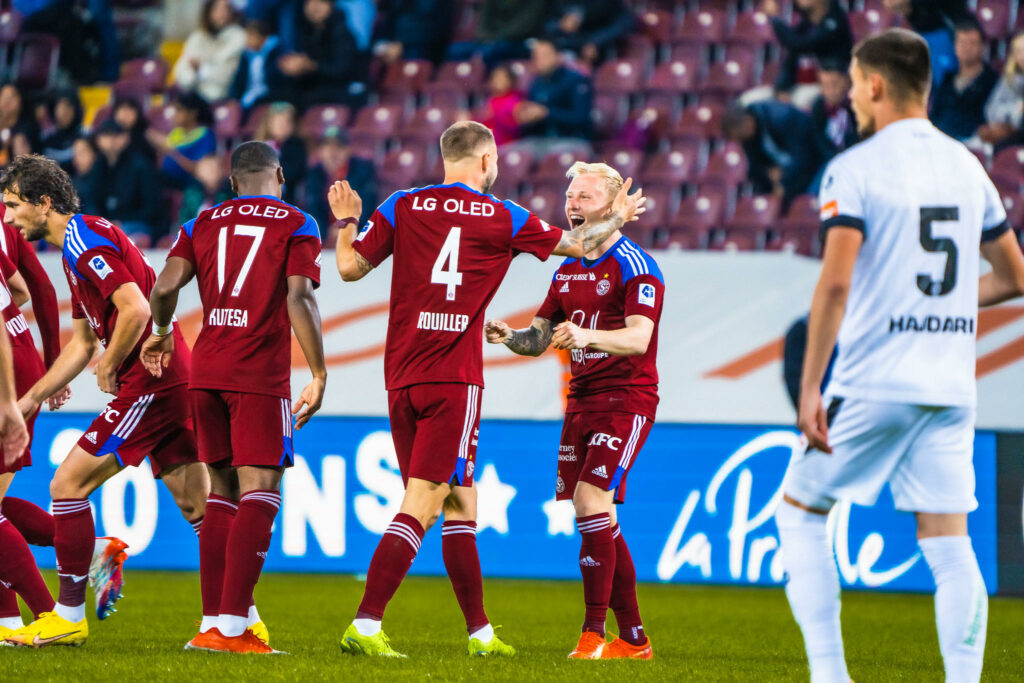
(699, 634)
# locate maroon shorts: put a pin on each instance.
(599, 449)
(435, 429)
(239, 429)
(157, 426)
(28, 368)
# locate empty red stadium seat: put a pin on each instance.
(402, 167)
(727, 166)
(608, 113)
(867, 22)
(727, 79)
(548, 202)
(227, 119)
(149, 70)
(675, 76)
(702, 27)
(1008, 165)
(658, 207)
(318, 119)
(735, 240)
(514, 166)
(703, 121)
(624, 160)
(427, 124)
(161, 117)
(377, 123)
(638, 47)
(758, 213)
(407, 75)
(619, 77)
(752, 28)
(469, 73)
(1014, 205)
(657, 24)
(802, 215)
(994, 17)
(704, 210)
(10, 25)
(35, 60)
(674, 167)
(552, 167)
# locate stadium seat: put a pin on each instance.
(522, 69)
(734, 240)
(674, 167)
(702, 27)
(548, 202)
(726, 80)
(10, 25)
(727, 166)
(447, 94)
(681, 236)
(318, 119)
(470, 74)
(690, 52)
(151, 71)
(624, 160)
(252, 122)
(402, 168)
(619, 77)
(377, 123)
(759, 212)
(705, 210)
(651, 122)
(407, 76)
(638, 47)
(607, 114)
(994, 17)
(161, 117)
(552, 167)
(516, 166)
(700, 122)
(867, 22)
(101, 115)
(658, 206)
(35, 60)
(677, 76)
(427, 124)
(802, 215)
(803, 242)
(227, 120)
(132, 89)
(752, 28)
(1008, 165)
(657, 24)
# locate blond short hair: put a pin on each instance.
(612, 178)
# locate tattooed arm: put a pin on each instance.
(531, 341)
(579, 241)
(346, 203)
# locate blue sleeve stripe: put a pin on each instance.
(79, 238)
(188, 226)
(518, 214)
(638, 261)
(308, 229)
(387, 209)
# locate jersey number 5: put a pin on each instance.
(253, 231)
(451, 277)
(926, 283)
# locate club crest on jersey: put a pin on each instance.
(469, 468)
(559, 485)
(100, 266)
(602, 287)
(646, 295)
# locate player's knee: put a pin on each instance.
(62, 487)
(589, 500)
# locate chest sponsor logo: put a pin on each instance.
(566, 453)
(601, 439)
(575, 276)
(646, 295)
(100, 267)
(603, 287)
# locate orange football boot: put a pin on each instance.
(591, 646)
(620, 649)
(208, 641)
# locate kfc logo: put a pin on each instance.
(601, 439)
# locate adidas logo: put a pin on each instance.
(588, 561)
(91, 437)
(600, 471)
(564, 289)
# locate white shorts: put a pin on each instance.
(925, 453)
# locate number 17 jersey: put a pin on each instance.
(243, 251)
(924, 204)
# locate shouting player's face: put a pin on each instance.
(861, 100)
(29, 219)
(587, 199)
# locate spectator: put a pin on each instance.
(128, 188)
(778, 140)
(15, 118)
(258, 74)
(66, 113)
(334, 161)
(502, 30)
(189, 141)
(88, 38)
(414, 29)
(1004, 110)
(501, 106)
(209, 59)
(360, 15)
(128, 114)
(209, 188)
(279, 16)
(556, 114)
(590, 28)
(325, 68)
(958, 106)
(85, 175)
(934, 20)
(834, 124)
(821, 32)
(278, 129)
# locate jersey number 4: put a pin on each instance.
(253, 231)
(450, 277)
(926, 283)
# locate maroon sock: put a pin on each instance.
(213, 542)
(74, 539)
(8, 602)
(391, 561)
(458, 546)
(197, 524)
(34, 523)
(18, 570)
(623, 599)
(247, 549)
(597, 564)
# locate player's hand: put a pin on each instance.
(345, 202)
(60, 398)
(812, 420)
(570, 336)
(106, 377)
(13, 433)
(497, 331)
(309, 401)
(629, 206)
(156, 353)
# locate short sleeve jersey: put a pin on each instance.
(924, 204)
(452, 247)
(243, 251)
(600, 295)
(17, 327)
(98, 259)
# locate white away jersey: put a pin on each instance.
(925, 204)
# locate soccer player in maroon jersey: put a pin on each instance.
(256, 260)
(148, 417)
(605, 307)
(452, 244)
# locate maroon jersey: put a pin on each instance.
(600, 295)
(44, 297)
(17, 327)
(452, 247)
(99, 258)
(243, 251)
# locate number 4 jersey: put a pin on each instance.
(243, 251)
(924, 204)
(452, 248)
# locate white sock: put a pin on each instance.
(254, 616)
(207, 623)
(813, 590)
(367, 627)
(232, 626)
(484, 634)
(72, 614)
(11, 622)
(961, 605)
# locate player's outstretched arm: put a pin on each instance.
(163, 300)
(631, 340)
(347, 205)
(531, 341)
(1006, 279)
(304, 315)
(626, 207)
(73, 358)
(13, 434)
